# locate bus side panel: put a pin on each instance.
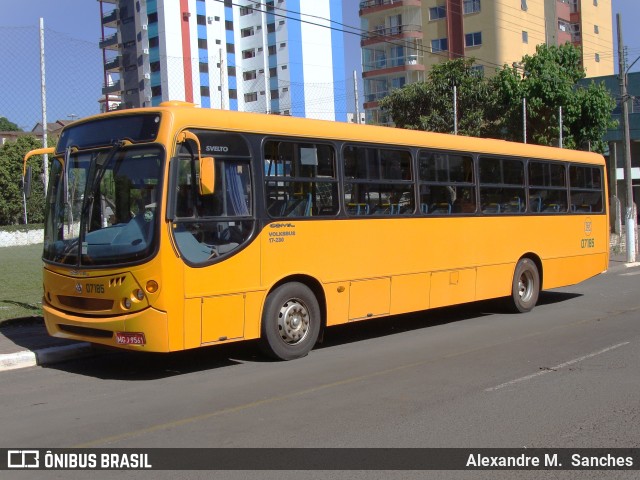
(452, 287)
(494, 281)
(192, 325)
(559, 272)
(337, 295)
(369, 298)
(410, 293)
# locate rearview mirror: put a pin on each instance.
(26, 182)
(207, 175)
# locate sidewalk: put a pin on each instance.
(26, 343)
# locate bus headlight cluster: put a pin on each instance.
(136, 296)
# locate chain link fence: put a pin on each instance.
(73, 72)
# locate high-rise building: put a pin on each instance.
(406, 37)
(276, 56)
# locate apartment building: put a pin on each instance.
(406, 37)
(276, 56)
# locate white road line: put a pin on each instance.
(637, 272)
(557, 367)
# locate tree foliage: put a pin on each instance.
(8, 126)
(493, 107)
(429, 105)
(11, 200)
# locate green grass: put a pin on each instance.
(21, 287)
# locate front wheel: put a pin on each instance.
(526, 286)
(290, 322)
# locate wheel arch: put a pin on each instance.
(538, 261)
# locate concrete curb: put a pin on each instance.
(44, 356)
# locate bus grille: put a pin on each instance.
(83, 303)
(85, 331)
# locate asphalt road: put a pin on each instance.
(564, 375)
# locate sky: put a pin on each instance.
(73, 59)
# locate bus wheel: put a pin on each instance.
(526, 286)
(290, 322)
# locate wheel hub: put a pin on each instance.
(293, 322)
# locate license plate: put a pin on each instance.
(130, 338)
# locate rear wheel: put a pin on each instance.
(290, 322)
(526, 286)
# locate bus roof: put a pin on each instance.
(187, 115)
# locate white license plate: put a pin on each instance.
(130, 338)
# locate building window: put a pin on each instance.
(597, 57)
(156, 91)
(273, 72)
(154, 66)
(272, 49)
(204, 91)
(152, 17)
(250, 97)
(202, 43)
(436, 13)
(204, 67)
(246, 11)
(246, 32)
(478, 70)
(596, 29)
(201, 20)
(525, 36)
(271, 27)
(250, 75)
(249, 53)
(218, 42)
(471, 6)
(284, 67)
(595, 3)
(154, 42)
(231, 48)
(473, 39)
(439, 45)
(275, 94)
(523, 5)
(228, 25)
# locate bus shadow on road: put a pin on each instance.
(111, 364)
(395, 324)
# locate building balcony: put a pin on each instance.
(373, 6)
(109, 43)
(110, 19)
(114, 64)
(383, 63)
(113, 87)
(390, 69)
(391, 33)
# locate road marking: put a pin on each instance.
(556, 368)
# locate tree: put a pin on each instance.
(11, 155)
(429, 105)
(8, 126)
(549, 80)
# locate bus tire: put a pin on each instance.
(526, 286)
(290, 322)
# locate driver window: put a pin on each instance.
(209, 226)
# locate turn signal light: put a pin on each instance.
(152, 286)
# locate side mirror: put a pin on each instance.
(26, 182)
(207, 175)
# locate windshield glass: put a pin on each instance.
(105, 211)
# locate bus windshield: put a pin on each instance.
(102, 206)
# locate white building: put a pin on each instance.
(277, 56)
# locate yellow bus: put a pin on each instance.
(175, 227)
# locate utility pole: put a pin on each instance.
(630, 221)
(524, 119)
(357, 100)
(455, 110)
(560, 139)
(43, 95)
